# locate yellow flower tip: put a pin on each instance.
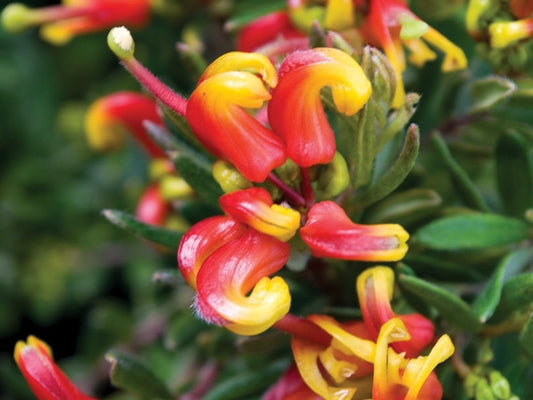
(354, 90)
(420, 53)
(504, 34)
(158, 168)
(285, 223)
(340, 15)
(32, 342)
(17, 17)
(269, 301)
(121, 42)
(455, 58)
(381, 277)
(57, 34)
(103, 133)
(475, 10)
(241, 61)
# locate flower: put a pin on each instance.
(290, 387)
(111, 117)
(61, 23)
(215, 113)
(300, 119)
(390, 23)
(46, 379)
(344, 367)
(225, 261)
(503, 34)
(329, 232)
(152, 208)
(255, 207)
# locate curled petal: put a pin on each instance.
(61, 23)
(300, 120)
(374, 287)
(215, 114)
(330, 233)
(254, 207)
(202, 240)
(110, 117)
(45, 378)
(242, 266)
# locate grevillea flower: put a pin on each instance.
(374, 287)
(265, 29)
(216, 114)
(111, 117)
(255, 207)
(61, 23)
(300, 119)
(45, 378)
(225, 261)
(343, 369)
(329, 232)
(390, 23)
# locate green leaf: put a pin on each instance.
(449, 306)
(526, 337)
(517, 294)
(488, 300)
(405, 208)
(163, 236)
(491, 91)
(132, 375)
(394, 176)
(246, 384)
(438, 267)
(465, 187)
(198, 174)
(472, 231)
(515, 173)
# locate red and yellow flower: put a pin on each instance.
(45, 378)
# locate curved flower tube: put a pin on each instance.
(391, 23)
(45, 378)
(243, 266)
(61, 23)
(255, 207)
(266, 29)
(215, 113)
(300, 120)
(503, 34)
(374, 288)
(202, 240)
(330, 233)
(111, 117)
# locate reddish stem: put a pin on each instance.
(296, 198)
(307, 188)
(154, 85)
(303, 329)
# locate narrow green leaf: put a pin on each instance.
(472, 231)
(487, 301)
(163, 236)
(450, 307)
(405, 208)
(197, 172)
(246, 384)
(517, 294)
(465, 187)
(395, 175)
(526, 337)
(132, 375)
(491, 91)
(441, 268)
(515, 173)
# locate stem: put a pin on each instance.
(304, 329)
(307, 188)
(154, 85)
(296, 198)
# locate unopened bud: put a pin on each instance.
(334, 178)
(499, 385)
(483, 391)
(16, 17)
(121, 42)
(175, 188)
(229, 178)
